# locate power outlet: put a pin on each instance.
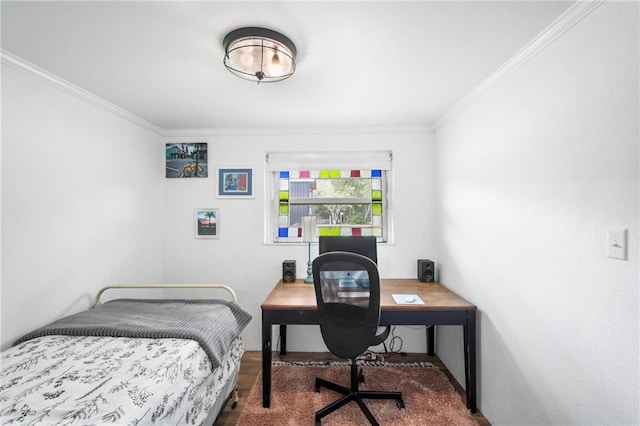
(617, 243)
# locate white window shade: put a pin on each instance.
(340, 160)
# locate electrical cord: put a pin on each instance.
(370, 355)
(395, 340)
(394, 346)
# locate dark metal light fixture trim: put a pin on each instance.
(259, 54)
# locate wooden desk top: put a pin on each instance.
(301, 296)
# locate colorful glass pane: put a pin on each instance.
(366, 232)
(351, 220)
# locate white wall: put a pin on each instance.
(91, 207)
(81, 203)
(240, 257)
(527, 181)
(530, 177)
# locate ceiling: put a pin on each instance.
(359, 63)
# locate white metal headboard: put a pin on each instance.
(164, 286)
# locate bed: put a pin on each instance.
(127, 362)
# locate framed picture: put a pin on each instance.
(235, 182)
(186, 160)
(207, 223)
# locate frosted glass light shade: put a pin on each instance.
(259, 54)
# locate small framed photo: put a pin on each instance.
(207, 223)
(186, 160)
(235, 182)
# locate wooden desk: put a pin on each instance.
(295, 303)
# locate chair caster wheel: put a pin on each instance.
(317, 389)
(234, 405)
(400, 404)
(318, 423)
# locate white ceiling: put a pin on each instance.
(359, 64)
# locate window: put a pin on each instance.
(347, 192)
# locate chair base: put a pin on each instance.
(354, 394)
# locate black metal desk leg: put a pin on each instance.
(283, 339)
(266, 359)
(469, 337)
(431, 340)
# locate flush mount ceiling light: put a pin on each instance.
(259, 54)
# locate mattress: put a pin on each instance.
(64, 380)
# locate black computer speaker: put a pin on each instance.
(426, 270)
(289, 271)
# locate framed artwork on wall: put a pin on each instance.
(207, 223)
(235, 182)
(186, 160)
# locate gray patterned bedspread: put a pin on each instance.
(214, 324)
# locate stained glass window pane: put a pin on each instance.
(344, 202)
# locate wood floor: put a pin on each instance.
(252, 364)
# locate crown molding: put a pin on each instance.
(268, 131)
(53, 80)
(574, 14)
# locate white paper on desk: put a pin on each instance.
(407, 299)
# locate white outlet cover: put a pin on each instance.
(617, 243)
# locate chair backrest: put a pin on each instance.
(347, 287)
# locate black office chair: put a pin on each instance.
(349, 317)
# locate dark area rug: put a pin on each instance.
(429, 397)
